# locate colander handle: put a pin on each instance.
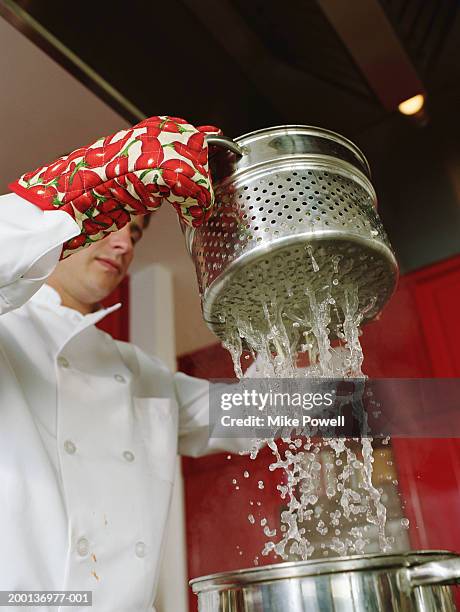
(446, 571)
(225, 143)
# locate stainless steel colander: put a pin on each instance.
(295, 215)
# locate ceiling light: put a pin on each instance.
(412, 106)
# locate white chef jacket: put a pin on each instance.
(89, 431)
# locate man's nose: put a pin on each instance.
(121, 240)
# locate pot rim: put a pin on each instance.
(317, 567)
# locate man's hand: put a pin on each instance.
(126, 174)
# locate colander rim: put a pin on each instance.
(313, 131)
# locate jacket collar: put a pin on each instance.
(48, 297)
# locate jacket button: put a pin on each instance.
(119, 378)
(82, 547)
(129, 456)
(140, 549)
(69, 447)
(62, 361)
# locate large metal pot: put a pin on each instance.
(410, 582)
(295, 211)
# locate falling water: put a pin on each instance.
(316, 470)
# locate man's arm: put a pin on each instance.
(31, 243)
(77, 200)
(193, 398)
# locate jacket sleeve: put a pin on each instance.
(31, 242)
(194, 436)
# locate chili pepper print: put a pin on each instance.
(196, 141)
(113, 209)
(95, 225)
(183, 186)
(29, 176)
(170, 124)
(120, 217)
(196, 212)
(149, 197)
(209, 129)
(175, 119)
(54, 170)
(152, 153)
(86, 201)
(110, 205)
(75, 243)
(149, 143)
(179, 167)
(102, 185)
(123, 196)
(149, 122)
(198, 158)
(99, 156)
(117, 167)
(76, 181)
(45, 193)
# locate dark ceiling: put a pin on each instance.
(246, 64)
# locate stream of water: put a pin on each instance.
(316, 470)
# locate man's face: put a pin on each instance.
(93, 273)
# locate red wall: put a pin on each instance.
(117, 323)
(416, 336)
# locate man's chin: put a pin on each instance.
(103, 285)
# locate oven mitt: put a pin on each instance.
(126, 174)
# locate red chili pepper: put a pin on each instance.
(108, 139)
(185, 151)
(120, 217)
(149, 143)
(46, 193)
(147, 196)
(75, 182)
(97, 224)
(196, 211)
(122, 195)
(177, 119)
(206, 194)
(30, 175)
(163, 190)
(117, 167)
(147, 122)
(75, 243)
(99, 156)
(169, 124)
(209, 129)
(178, 166)
(109, 205)
(196, 141)
(181, 186)
(54, 170)
(75, 154)
(199, 157)
(84, 202)
(150, 159)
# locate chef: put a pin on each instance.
(90, 427)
